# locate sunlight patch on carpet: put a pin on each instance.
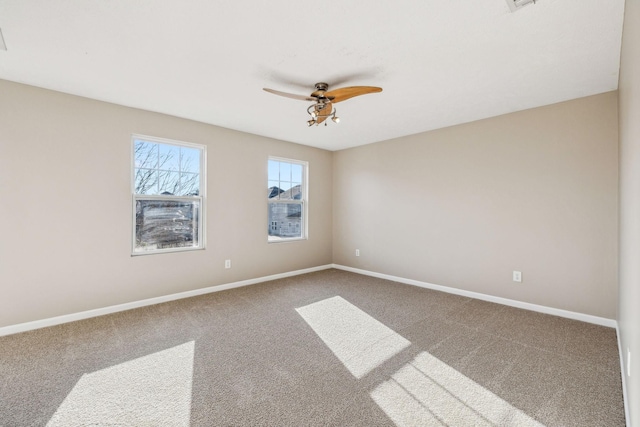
(358, 340)
(428, 392)
(151, 390)
(423, 392)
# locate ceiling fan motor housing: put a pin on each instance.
(321, 88)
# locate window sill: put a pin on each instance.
(285, 239)
(165, 251)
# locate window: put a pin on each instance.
(286, 196)
(168, 195)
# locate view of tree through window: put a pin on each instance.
(167, 194)
(285, 195)
(166, 169)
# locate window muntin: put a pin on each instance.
(166, 169)
(286, 195)
(168, 191)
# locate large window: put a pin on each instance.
(286, 198)
(168, 195)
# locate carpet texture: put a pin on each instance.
(329, 348)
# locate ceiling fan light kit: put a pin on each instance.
(323, 100)
(318, 113)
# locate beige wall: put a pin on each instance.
(629, 315)
(66, 214)
(534, 191)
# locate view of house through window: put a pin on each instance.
(286, 195)
(168, 195)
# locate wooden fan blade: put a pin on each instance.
(342, 94)
(324, 113)
(290, 95)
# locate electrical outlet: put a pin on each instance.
(628, 362)
(357, 252)
(227, 263)
(517, 276)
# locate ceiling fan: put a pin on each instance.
(323, 100)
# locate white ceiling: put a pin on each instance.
(440, 62)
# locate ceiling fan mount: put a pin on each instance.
(322, 86)
(323, 100)
(321, 89)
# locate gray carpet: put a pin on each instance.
(329, 348)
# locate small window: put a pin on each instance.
(168, 195)
(286, 198)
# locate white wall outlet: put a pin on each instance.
(628, 362)
(517, 276)
(357, 252)
(227, 263)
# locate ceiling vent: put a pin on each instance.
(519, 4)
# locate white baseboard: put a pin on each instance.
(623, 373)
(27, 326)
(611, 323)
(43, 323)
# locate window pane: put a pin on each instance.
(158, 167)
(285, 171)
(169, 157)
(274, 170)
(286, 215)
(273, 190)
(146, 154)
(173, 171)
(296, 173)
(189, 183)
(190, 160)
(285, 220)
(146, 181)
(169, 183)
(164, 224)
(296, 192)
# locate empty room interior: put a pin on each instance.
(450, 234)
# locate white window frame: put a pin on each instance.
(201, 197)
(303, 202)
